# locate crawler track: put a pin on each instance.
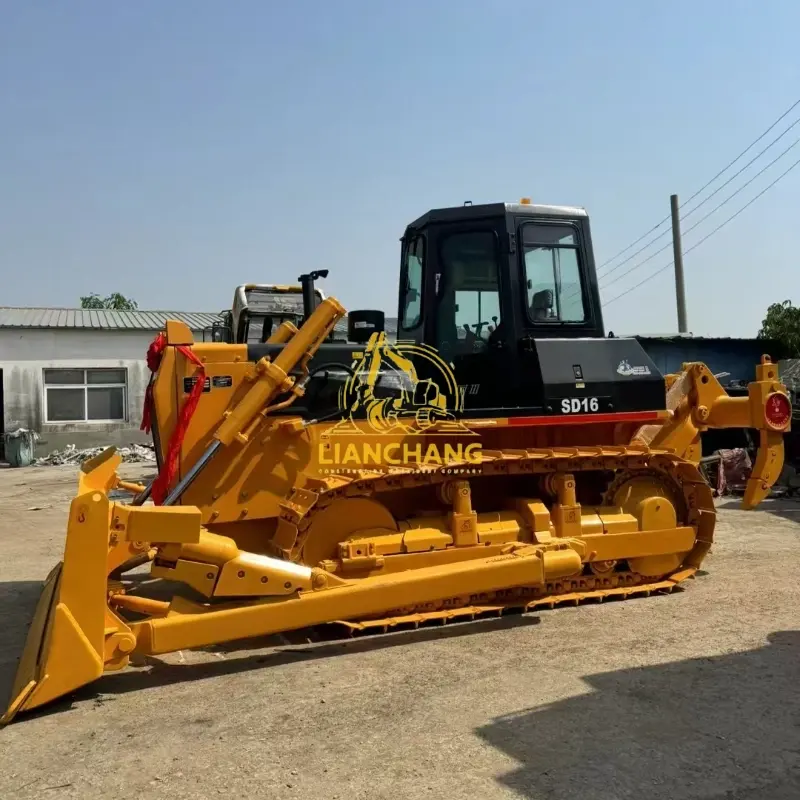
(694, 506)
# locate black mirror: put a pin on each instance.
(362, 324)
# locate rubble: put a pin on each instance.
(727, 472)
(733, 470)
(133, 453)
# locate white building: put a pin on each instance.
(78, 376)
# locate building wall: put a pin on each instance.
(25, 353)
(735, 356)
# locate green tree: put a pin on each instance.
(782, 324)
(114, 301)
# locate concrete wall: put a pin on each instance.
(25, 353)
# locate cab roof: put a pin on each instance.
(470, 212)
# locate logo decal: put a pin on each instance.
(394, 411)
(627, 370)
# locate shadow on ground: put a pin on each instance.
(785, 507)
(18, 603)
(720, 728)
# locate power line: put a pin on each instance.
(704, 201)
(704, 187)
(749, 163)
(708, 235)
(704, 218)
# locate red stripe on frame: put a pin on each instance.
(571, 419)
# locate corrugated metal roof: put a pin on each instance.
(100, 319)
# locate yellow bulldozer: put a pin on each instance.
(500, 452)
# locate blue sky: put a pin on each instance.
(170, 150)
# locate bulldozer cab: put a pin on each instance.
(507, 293)
(477, 279)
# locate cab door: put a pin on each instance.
(469, 304)
(557, 299)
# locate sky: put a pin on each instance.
(172, 150)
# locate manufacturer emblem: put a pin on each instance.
(627, 370)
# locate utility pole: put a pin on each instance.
(677, 250)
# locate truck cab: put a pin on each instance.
(257, 311)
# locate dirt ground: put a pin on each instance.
(691, 695)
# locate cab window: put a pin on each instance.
(553, 274)
(468, 302)
(412, 293)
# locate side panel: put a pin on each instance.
(594, 376)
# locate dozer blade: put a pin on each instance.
(68, 638)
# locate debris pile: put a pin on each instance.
(134, 453)
(736, 468)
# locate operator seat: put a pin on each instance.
(542, 305)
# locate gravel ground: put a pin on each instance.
(692, 695)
